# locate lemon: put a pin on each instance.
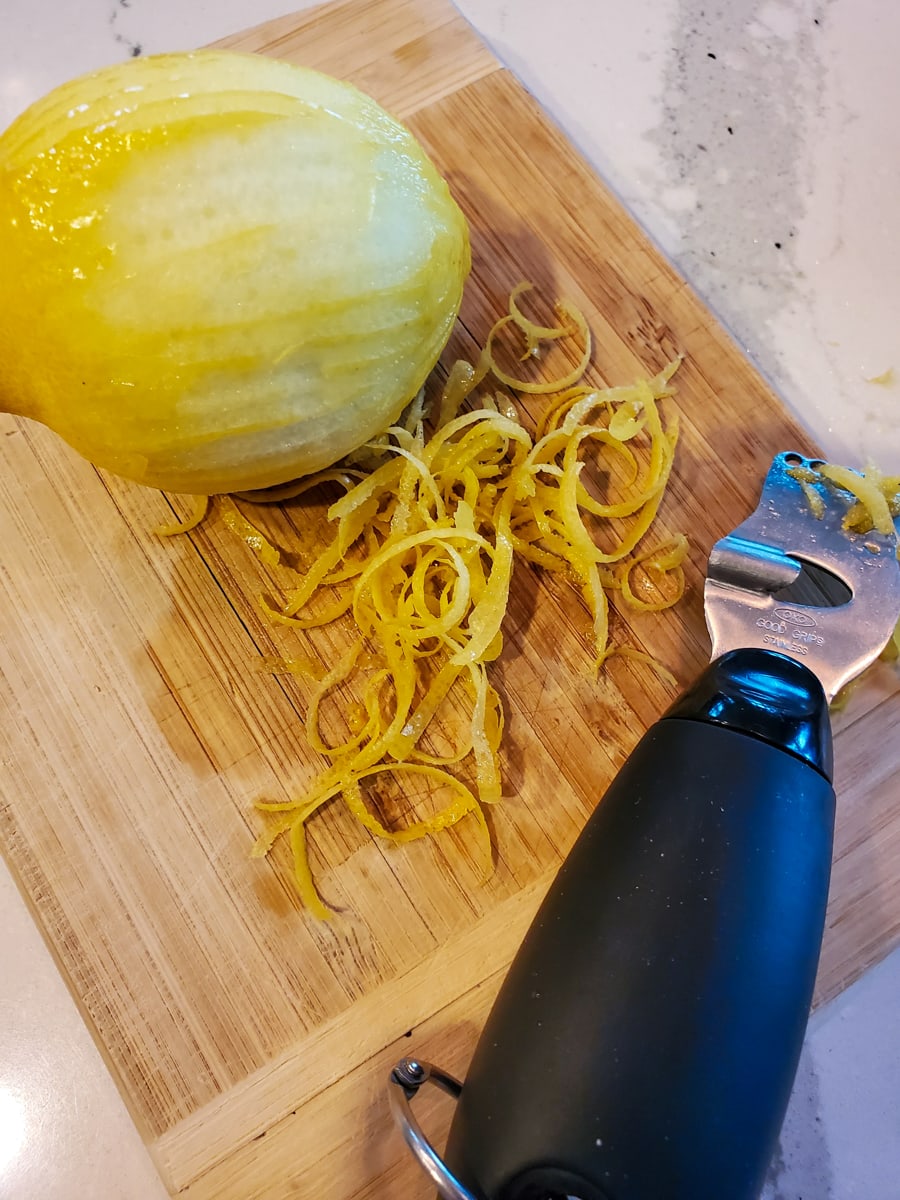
(218, 271)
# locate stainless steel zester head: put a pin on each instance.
(798, 583)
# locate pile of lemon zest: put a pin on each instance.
(487, 613)
(200, 507)
(313, 579)
(294, 818)
(626, 423)
(669, 555)
(372, 487)
(558, 407)
(414, 415)
(869, 488)
(407, 486)
(421, 557)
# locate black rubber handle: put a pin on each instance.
(645, 1041)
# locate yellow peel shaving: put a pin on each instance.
(658, 563)
(533, 334)
(876, 495)
(198, 512)
(808, 477)
(868, 492)
(421, 557)
(885, 379)
(297, 664)
(238, 523)
(641, 657)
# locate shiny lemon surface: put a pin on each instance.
(219, 271)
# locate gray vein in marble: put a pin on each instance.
(133, 47)
(742, 77)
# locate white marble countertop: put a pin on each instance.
(758, 141)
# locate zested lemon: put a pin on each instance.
(219, 271)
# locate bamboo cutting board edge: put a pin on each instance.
(209, 1136)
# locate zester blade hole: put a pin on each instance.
(816, 587)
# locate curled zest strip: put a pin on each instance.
(535, 334)
(198, 512)
(292, 819)
(641, 657)
(530, 386)
(660, 561)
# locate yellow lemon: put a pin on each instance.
(219, 271)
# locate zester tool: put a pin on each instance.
(644, 1043)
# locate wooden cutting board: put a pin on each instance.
(251, 1043)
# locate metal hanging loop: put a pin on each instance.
(404, 1082)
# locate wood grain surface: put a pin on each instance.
(251, 1043)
